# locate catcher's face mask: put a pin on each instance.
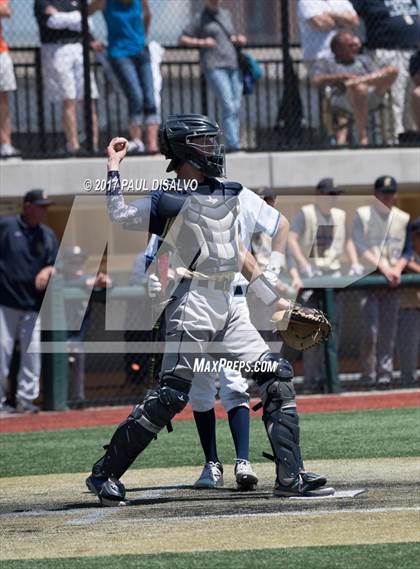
(209, 151)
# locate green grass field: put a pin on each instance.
(367, 434)
(48, 531)
(382, 556)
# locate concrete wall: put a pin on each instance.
(282, 170)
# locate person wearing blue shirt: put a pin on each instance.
(128, 22)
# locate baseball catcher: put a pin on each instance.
(201, 226)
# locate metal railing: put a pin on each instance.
(266, 125)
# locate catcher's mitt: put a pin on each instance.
(307, 326)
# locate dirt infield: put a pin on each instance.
(105, 416)
(58, 518)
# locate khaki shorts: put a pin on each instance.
(7, 75)
(62, 68)
(342, 102)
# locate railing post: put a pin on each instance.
(330, 346)
(203, 91)
(87, 103)
(40, 100)
(55, 362)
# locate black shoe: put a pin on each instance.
(26, 407)
(305, 484)
(111, 492)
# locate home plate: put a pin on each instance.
(332, 494)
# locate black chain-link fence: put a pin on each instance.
(377, 346)
(305, 96)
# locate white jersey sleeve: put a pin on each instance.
(256, 215)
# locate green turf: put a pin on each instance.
(362, 434)
(380, 556)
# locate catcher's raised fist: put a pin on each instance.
(117, 148)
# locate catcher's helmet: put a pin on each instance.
(193, 139)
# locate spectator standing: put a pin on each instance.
(382, 239)
(128, 23)
(319, 21)
(27, 252)
(60, 29)
(7, 84)
(213, 32)
(317, 241)
(359, 85)
(415, 93)
(392, 35)
(74, 275)
(409, 322)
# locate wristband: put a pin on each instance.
(264, 290)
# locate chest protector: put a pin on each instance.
(314, 218)
(384, 236)
(205, 233)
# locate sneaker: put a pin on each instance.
(110, 491)
(7, 150)
(26, 407)
(307, 484)
(211, 477)
(246, 479)
(383, 382)
(136, 146)
(6, 409)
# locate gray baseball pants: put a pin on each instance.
(203, 320)
(24, 326)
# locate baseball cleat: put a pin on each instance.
(246, 479)
(305, 484)
(111, 492)
(211, 477)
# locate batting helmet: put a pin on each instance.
(194, 139)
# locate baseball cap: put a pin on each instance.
(327, 186)
(37, 197)
(265, 192)
(74, 253)
(386, 184)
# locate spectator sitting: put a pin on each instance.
(60, 30)
(358, 84)
(409, 321)
(319, 21)
(7, 84)
(77, 317)
(392, 35)
(212, 31)
(128, 22)
(27, 253)
(415, 94)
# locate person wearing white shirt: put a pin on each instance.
(319, 21)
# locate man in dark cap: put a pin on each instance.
(317, 241)
(27, 252)
(382, 239)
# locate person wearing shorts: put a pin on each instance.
(7, 84)
(60, 28)
(358, 84)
